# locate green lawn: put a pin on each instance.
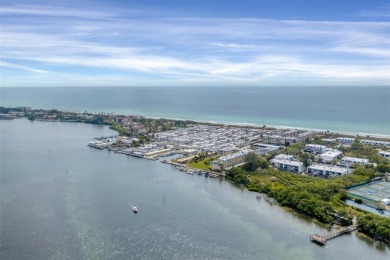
(199, 165)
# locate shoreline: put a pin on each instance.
(280, 127)
(236, 124)
(230, 123)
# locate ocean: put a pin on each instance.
(362, 110)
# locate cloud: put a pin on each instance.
(21, 67)
(198, 49)
(53, 11)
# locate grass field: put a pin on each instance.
(199, 165)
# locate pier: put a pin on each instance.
(321, 240)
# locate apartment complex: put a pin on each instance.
(287, 165)
(385, 154)
(228, 161)
(330, 155)
(323, 170)
(315, 148)
(349, 161)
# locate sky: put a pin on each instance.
(194, 43)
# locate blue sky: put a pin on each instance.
(195, 43)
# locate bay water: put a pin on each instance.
(61, 199)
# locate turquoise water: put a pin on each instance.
(60, 199)
(342, 109)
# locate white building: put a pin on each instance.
(345, 140)
(266, 147)
(157, 152)
(316, 148)
(284, 157)
(287, 165)
(385, 201)
(329, 155)
(234, 159)
(385, 154)
(226, 151)
(329, 140)
(349, 161)
(323, 170)
(215, 166)
(375, 143)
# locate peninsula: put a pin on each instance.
(318, 174)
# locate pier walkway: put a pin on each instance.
(322, 239)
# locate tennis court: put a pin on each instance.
(374, 191)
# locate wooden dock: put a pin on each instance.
(321, 240)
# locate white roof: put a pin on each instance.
(354, 159)
(316, 146)
(324, 167)
(288, 162)
(331, 153)
(234, 155)
(283, 157)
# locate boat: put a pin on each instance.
(135, 210)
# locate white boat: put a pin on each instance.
(135, 210)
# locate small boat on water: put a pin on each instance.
(135, 210)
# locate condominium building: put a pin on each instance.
(345, 140)
(323, 170)
(228, 161)
(349, 161)
(287, 165)
(215, 166)
(284, 157)
(385, 154)
(375, 143)
(226, 151)
(329, 155)
(316, 148)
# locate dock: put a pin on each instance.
(321, 240)
(192, 170)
